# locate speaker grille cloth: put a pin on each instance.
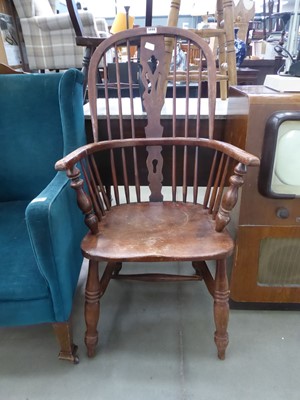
(279, 262)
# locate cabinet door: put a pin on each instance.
(266, 265)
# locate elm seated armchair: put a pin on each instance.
(156, 171)
(41, 119)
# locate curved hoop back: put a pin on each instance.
(139, 51)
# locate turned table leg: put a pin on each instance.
(92, 308)
(221, 308)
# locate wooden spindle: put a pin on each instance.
(174, 179)
(195, 182)
(216, 183)
(221, 187)
(114, 176)
(91, 184)
(99, 182)
(184, 182)
(210, 181)
(132, 123)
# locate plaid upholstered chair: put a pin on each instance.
(49, 37)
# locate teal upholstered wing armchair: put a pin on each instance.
(41, 119)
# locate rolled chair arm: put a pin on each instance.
(56, 228)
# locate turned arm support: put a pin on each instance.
(230, 197)
(83, 199)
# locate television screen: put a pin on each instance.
(279, 175)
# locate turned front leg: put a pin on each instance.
(92, 308)
(221, 308)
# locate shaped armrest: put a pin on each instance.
(56, 228)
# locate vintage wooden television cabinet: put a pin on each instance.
(266, 264)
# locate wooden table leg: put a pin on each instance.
(92, 308)
(221, 308)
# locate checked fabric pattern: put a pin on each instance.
(50, 38)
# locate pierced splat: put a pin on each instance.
(153, 76)
(154, 164)
(155, 176)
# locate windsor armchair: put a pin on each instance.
(142, 196)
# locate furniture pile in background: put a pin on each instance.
(49, 37)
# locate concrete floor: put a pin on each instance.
(156, 343)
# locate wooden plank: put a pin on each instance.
(4, 7)
(3, 58)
